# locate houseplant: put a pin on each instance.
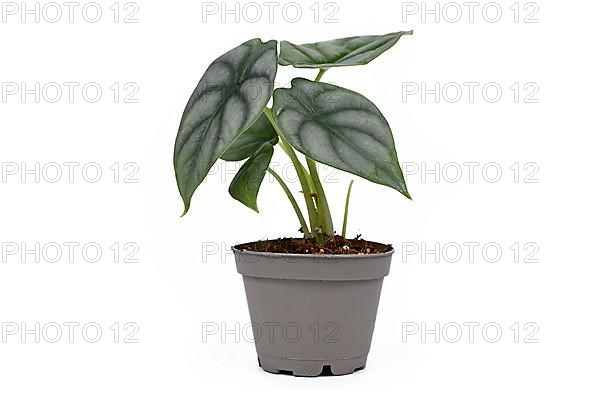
(312, 300)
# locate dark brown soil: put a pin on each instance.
(336, 245)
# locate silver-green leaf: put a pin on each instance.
(252, 139)
(340, 128)
(228, 99)
(356, 50)
(247, 181)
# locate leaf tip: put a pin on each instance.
(186, 208)
(250, 205)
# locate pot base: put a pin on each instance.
(277, 365)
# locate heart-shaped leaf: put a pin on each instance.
(247, 181)
(356, 50)
(228, 99)
(252, 139)
(340, 128)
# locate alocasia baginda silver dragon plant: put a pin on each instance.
(227, 117)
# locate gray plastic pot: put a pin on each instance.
(312, 314)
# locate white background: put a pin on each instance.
(185, 277)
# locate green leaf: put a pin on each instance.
(228, 99)
(356, 50)
(247, 181)
(340, 128)
(252, 139)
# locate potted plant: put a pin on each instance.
(312, 300)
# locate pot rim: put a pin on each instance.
(296, 255)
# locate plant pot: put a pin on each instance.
(312, 314)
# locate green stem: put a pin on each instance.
(323, 213)
(320, 75)
(290, 196)
(346, 209)
(311, 184)
(321, 225)
(300, 171)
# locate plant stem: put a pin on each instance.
(321, 225)
(323, 213)
(290, 196)
(346, 209)
(320, 75)
(300, 171)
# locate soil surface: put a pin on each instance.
(336, 245)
